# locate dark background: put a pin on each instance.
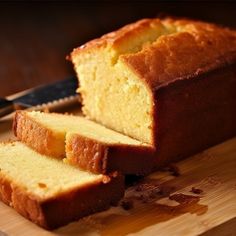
(35, 37)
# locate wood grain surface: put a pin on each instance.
(161, 204)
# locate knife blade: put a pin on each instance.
(40, 95)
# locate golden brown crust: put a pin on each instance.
(100, 157)
(116, 37)
(189, 49)
(199, 49)
(37, 136)
(86, 153)
(68, 206)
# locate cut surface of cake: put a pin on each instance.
(50, 192)
(83, 143)
(167, 82)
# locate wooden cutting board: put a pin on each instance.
(212, 211)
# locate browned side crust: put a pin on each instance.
(69, 206)
(37, 136)
(100, 157)
(192, 115)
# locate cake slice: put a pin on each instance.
(166, 82)
(49, 192)
(83, 143)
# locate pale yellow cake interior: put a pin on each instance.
(64, 124)
(112, 94)
(40, 175)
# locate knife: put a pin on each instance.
(40, 95)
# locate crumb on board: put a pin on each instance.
(196, 190)
(146, 186)
(148, 191)
(184, 198)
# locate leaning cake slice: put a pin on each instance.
(83, 143)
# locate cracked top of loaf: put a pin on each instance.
(161, 51)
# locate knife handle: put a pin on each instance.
(6, 107)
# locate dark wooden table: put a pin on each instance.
(35, 37)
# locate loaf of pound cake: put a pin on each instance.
(167, 82)
(49, 192)
(83, 143)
